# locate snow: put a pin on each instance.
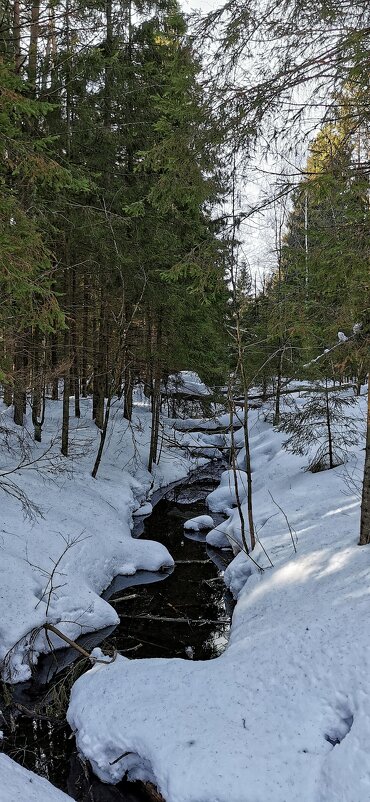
(187, 382)
(200, 522)
(221, 499)
(145, 509)
(83, 530)
(284, 713)
(20, 785)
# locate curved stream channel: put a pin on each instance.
(184, 613)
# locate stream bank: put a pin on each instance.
(185, 613)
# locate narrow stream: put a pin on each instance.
(184, 613)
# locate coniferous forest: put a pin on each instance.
(184, 329)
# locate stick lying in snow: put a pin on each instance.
(176, 620)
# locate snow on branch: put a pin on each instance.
(342, 338)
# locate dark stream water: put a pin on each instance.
(183, 613)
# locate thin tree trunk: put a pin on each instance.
(155, 420)
(328, 423)
(85, 337)
(66, 375)
(19, 382)
(100, 377)
(235, 474)
(248, 464)
(75, 382)
(54, 366)
(278, 390)
(365, 505)
(37, 384)
(128, 390)
(8, 365)
(65, 423)
(103, 435)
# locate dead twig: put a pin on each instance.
(291, 531)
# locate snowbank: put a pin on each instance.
(200, 522)
(284, 713)
(55, 565)
(20, 785)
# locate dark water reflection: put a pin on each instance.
(183, 613)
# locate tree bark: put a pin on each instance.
(103, 435)
(17, 35)
(75, 381)
(37, 384)
(278, 390)
(54, 367)
(19, 382)
(365, 505)
(34, 38)
(85, 337)
(66, 374)
(328, 424)
(100, 374)
(128, 390)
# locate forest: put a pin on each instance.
(184, 405)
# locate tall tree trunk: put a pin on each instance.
(54, 367)
(8, 367)
(34, 38)
(103, 435)
(37, 383)
(85, 337)
(235, 474)
(365, 505)
(328, 424)
(66, 372)
(128, 390)
(65, 422)
(276, 420)
(248, 463)
(75, 381)
(19, 381)
(17, 35)
(156, 403)
(100, 374)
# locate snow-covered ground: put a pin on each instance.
(19, 785)
(55, 564)
(284, 714)
(72, 537)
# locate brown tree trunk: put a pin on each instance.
(100, 374)
(156, 404)
(37, 383)
(365, 505)
(66, 372)
(235, 475)
(75, 381)
(128, 390)
(328, 424)
(276, 420)
(248, 464)
(103, 435)
(8, 368)
(54, 367)
(17, 35)
(19, 397)
(85, 337)
(34, 38)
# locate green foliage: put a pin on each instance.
(321, 428)
(26, 264)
